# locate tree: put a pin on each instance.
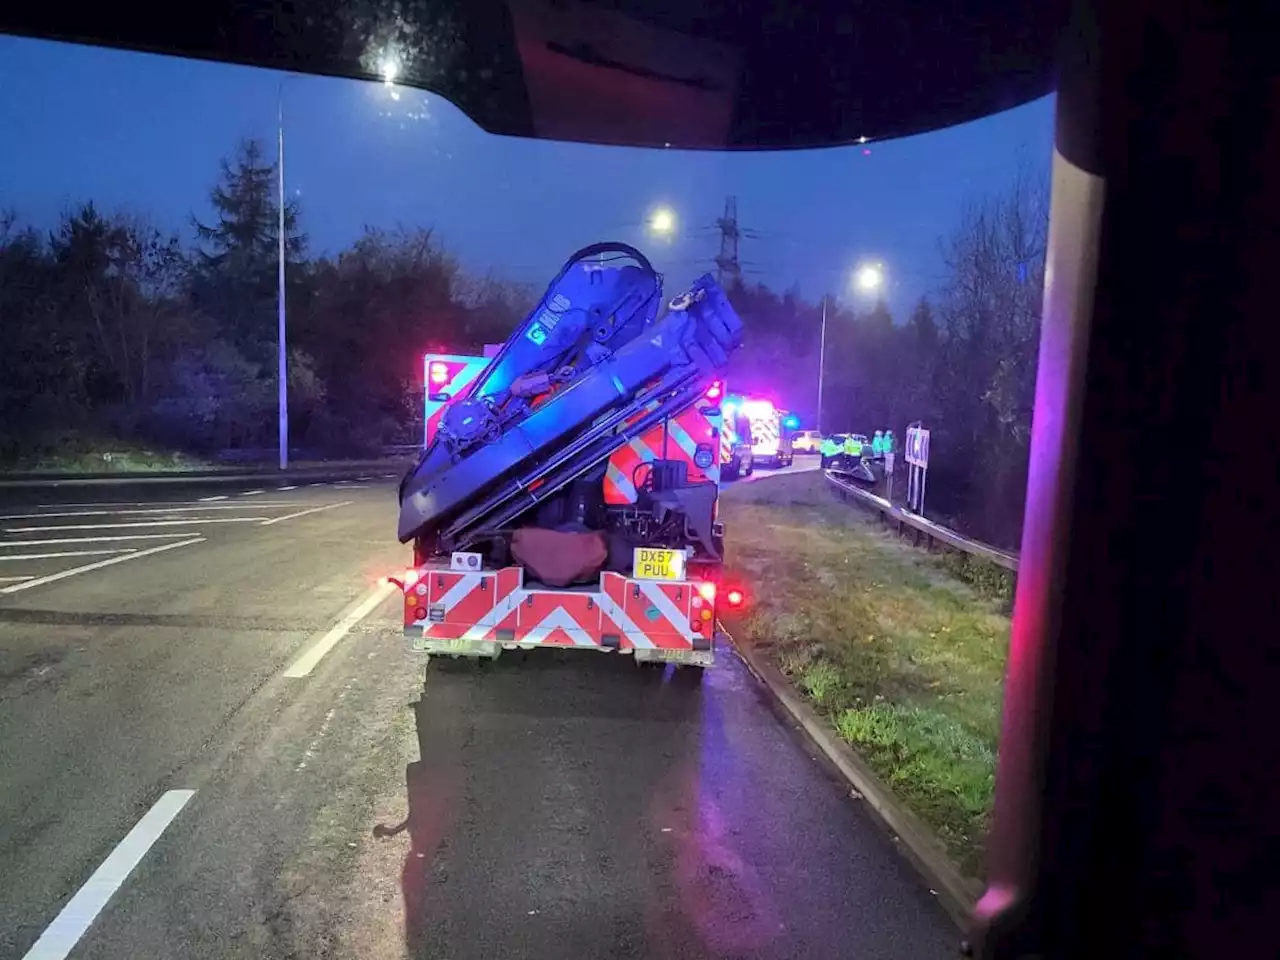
(990, 310)
(377, 309)
(122, 281)
(238, 254)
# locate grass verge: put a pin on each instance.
(116, 458)
(901, 650)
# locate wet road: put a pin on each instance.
(229, 739)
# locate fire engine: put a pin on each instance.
(568, 489)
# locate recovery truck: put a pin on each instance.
(568, 488)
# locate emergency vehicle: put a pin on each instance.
(567, 493)
(770, 438)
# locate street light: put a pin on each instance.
(282, 361)
(868, 279)
(663, 221)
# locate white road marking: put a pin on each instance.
(97, 565)
(150, 510)
(303, 513)
(221, 496)
(67, 553)
(14, 579)
(58, 541)
(143, 523)
(99, 504)
(72, 922)
(251, 493)
(282, 489)
(307, 662)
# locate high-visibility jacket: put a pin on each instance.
(877, 445)
(829, 447)
(853, 446)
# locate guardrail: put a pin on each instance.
(920, 526)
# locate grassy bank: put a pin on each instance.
(904, 652)
(113, 457)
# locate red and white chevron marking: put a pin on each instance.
(476, 606)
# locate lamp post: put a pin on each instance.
(282, 360)
(868, 279)
(389, 69)
(822, 356)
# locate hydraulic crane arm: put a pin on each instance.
(552, 404)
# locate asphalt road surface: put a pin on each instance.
(213, 743)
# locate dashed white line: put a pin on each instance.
(252, 493)
(97, 565)
(307, 662)
(221, 496)
(149, 510)
(143, 523)
(303, 513)
(282, 489)
(71, 923)
(15, 579)
(65, 553)
(59, 541)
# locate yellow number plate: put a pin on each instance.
(651, 564)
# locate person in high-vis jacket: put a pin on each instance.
(828, 450)
(852, 446)
(877, 445)
(890, 444)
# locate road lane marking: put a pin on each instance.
(303, 513)
(282, 489)
(59, 541)
(98, 565)
(99, 504)
(14, 579)
(65, 553)
(252, 493)
(150, 510)
(142, 523)
(307, 662)
(221, 496)
(72, 922)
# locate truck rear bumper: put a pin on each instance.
(480, 614)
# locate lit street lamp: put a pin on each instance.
(868, 279)
(389, 69)
(662, 221)
(282, 361)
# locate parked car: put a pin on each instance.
(806, 441)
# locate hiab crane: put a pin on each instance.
(568, 487)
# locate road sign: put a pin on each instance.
(917, 450)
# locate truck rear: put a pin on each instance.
(568, 490)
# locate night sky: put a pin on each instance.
(144, 134)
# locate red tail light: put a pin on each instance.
(439, 373)
(735, 597)
(708, 592)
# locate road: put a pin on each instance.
(228, 705)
